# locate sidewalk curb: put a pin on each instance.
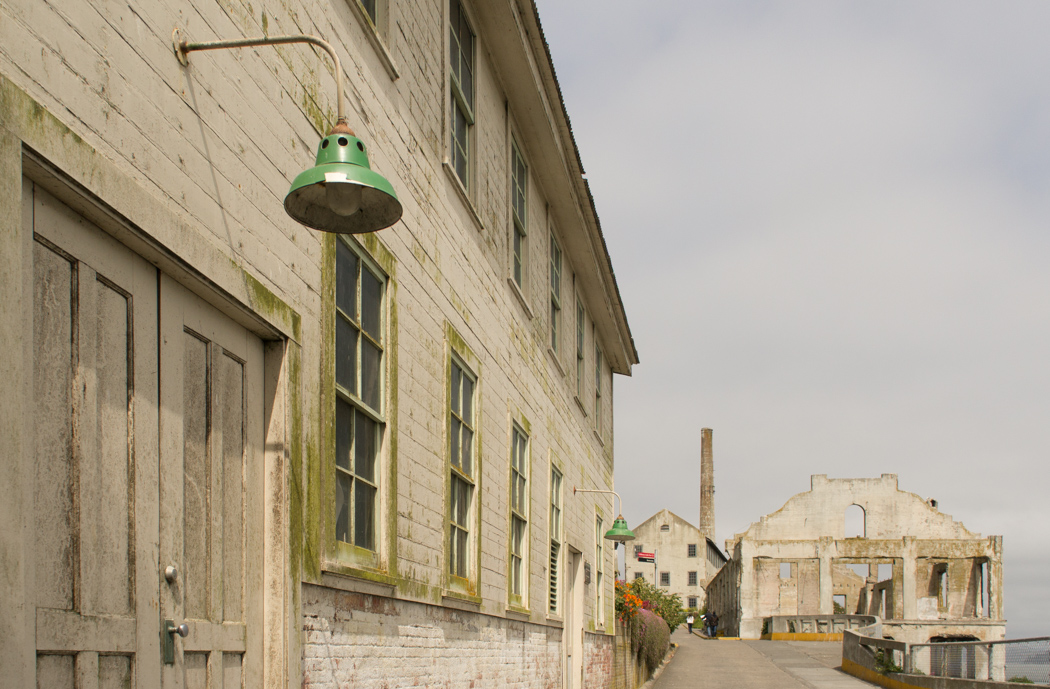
(660, 668)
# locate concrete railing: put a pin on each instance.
(950, 665)
(822, 625)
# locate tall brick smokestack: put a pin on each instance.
(707, 485)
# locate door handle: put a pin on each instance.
(167, 638)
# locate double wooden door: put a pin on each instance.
(148, 406)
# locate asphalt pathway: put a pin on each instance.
(707, 664)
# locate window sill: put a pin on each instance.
(521, 298)
(598, 437)
(518, 612)
(554, 357)
(341, 576)
(555, 621)
(579, 403)
(372, 34)
(344, 556)
(461, 601)
(461, 191)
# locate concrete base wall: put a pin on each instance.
(360, 641)
(628, 671)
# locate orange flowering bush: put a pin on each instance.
(627, 604)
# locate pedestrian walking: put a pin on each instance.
(689, 621)
(711, 620)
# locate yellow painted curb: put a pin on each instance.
(802, 636)
(868, 675)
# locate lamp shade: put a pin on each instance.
(341, 193)
(619, 531)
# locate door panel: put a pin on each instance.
(95, 387)
(211, 490)
(148, 408)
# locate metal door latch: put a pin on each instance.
(167, 638)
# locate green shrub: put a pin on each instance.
(668, 606)
(651, 637)
(884, 662)
(1020, 680)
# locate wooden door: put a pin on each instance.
(211, 493)
(573, 630)
(94, 528)
(148, 407)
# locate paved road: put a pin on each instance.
(705, 664)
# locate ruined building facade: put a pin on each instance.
(864, 546)
(341, 461)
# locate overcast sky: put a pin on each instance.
(830, 224)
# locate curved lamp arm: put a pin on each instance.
(576, 490)
(182, 47)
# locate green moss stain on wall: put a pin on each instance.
(267, 304)
(295, 471)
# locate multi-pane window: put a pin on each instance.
(369, 6)
(692, 578)
(599, 563)
(597, 385)
(665, 578)
(462, 468)
(519, 188)
(580, 318)
(692, 550)
(638, 575)
(461, 69)
(359, 352)
(555, 536)
(692, 602)
(519, 513)
(555, 292)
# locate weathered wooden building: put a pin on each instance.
(338, 460)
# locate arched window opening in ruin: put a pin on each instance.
(855, 526)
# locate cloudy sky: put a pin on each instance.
(830, 224)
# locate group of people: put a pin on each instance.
(710, 623)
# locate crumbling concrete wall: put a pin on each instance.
(914, 566)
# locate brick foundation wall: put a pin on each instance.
(360, 641)
(598, 665)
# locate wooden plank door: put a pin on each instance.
(211, 487)
(94, 530)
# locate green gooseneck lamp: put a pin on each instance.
(619, 532)
(340, 193)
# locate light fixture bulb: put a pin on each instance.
(344, 198)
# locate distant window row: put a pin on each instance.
(360, 427)
(462, 121)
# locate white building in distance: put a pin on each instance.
(685, 559)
